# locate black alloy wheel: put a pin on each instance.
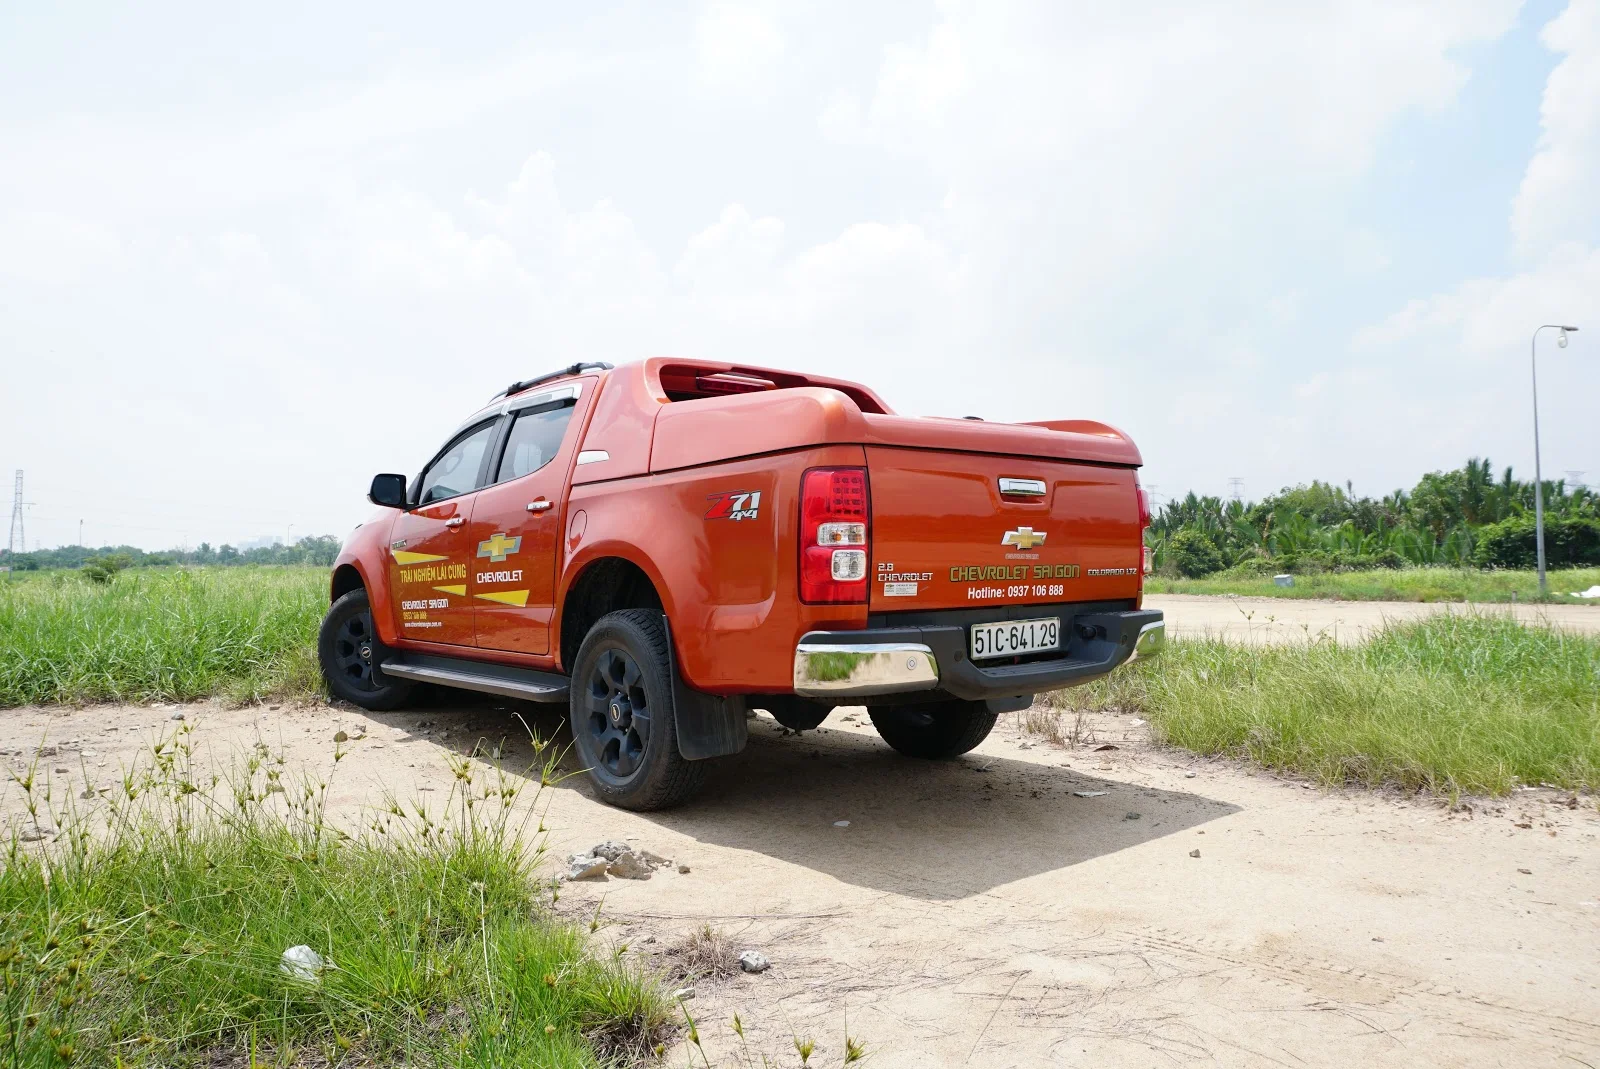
(352, 656)
(619, 713)
(352, 650)
(623, 722)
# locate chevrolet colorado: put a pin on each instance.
(662, 545)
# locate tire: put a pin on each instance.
(350, 653)
(622, 714)
(936, 731)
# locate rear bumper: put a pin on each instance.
(839, 665)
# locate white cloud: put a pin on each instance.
(921, 83)
(52, 247)
(1014, 208)
(1453, 369)
(1560, 196)
(738, 44)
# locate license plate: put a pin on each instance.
(1011, 637)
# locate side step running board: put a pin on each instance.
(509, 682)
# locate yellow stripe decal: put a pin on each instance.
(402, 557)
(519, 598)
(458, 591)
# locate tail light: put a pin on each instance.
(1144, 521)
(834, 525)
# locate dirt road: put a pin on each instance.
(982, 913)
(1268, 620)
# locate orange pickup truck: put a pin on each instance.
(666, 544)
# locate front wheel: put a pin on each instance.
(352, 656)
(622, 714)
(936, 730)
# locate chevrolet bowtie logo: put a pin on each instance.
(1024, 538)
(497, 546)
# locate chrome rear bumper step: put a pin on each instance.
(458, 672)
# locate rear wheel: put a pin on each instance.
(352, 655)
(622, 714)
(937, 730)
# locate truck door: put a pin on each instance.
(517, 522)
(430, 548)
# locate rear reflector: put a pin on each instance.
(834, 516)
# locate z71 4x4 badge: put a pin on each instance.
(734, 505)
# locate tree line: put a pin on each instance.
(1468, 517)
(319, 550)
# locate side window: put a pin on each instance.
(534, 440)
(457, 469)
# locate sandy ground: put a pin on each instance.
(1265, 620)
(980, 912)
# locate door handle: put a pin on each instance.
(455, 521)
(540, 505)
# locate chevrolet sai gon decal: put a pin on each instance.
(734, 505)
(1021, 580)
(977, 573)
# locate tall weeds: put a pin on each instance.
(151, 930)
(1455, 703)
(161, 635)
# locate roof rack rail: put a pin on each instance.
(571, 369)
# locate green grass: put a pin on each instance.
(159, 634)
(1404, 584)
(150, 932)
(1452, 704)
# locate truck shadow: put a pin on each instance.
(925, 829)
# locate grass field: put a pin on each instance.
(151, 931)
(1451, 704)
(161, 634)
(1404, 584)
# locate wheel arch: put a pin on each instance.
(346, 577)
(603, 583)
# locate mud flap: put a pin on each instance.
(708, 725)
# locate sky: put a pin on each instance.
(249, 258)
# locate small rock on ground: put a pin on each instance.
(754, 961)
(611, 849)
(629, 866)
(582, 867)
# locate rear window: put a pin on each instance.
(688, 382)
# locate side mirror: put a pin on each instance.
(388, 491)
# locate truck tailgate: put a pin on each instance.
(945, 536)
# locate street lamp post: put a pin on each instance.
(1538, 475)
